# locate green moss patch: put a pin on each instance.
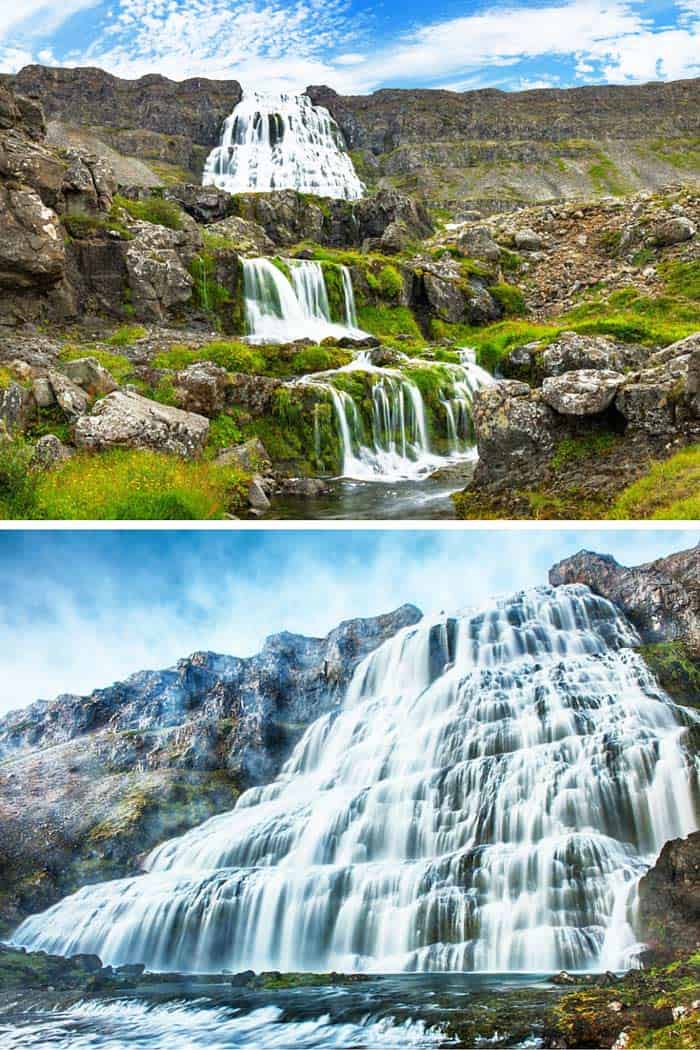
(127, 335)
(153, 209)
(670, 490)
(677, 671)
(117, 364)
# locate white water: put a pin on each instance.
(396, 445)
(486, 799)
(121, 1023)
(279, 310)
(277, 142)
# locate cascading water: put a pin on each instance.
(395, 443)
(278, 142)
(280, 309)
(486, 798)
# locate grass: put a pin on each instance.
(388, 322)
(224, 432)
(127, 335)
(17, 481)
(117, 365)
(231, 355)
(677, 671)
(154, 209)
(607, 179)
(121, 485)
(572, 449)
(670, 491)
(6, 378)
(510, 299)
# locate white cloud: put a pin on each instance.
(38, 18)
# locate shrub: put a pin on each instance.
(17, 481)
(153, 209)
(127, 485)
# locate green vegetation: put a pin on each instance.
(510, 298)
(211, 296)
(153, 209)
(233, 356)
(6, 378)
(670, 490)
(572, 449)
(117, 485)
(49, 421)
(677, 671)
(17, 481)
(127, 335)
(117, 364)
(584, 1017)
(682, 278)
(390, 283)
(224, 431)
(389, 322)
(607, 179)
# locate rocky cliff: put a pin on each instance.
(87, 783)
(669, 901)
(488, 149)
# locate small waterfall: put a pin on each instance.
(487, 798)
(278, 142)
(280, 309)
(394, 444)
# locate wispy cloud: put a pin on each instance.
(81, 610)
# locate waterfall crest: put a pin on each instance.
(281, 308)
(278, 142)
(486, 798)
(394, 444)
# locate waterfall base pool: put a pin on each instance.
(412, 1010)
(426, 499)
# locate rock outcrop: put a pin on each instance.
(661, 598)
(87, 783)
(668, 917)
(125, 419)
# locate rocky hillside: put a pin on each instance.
(88, 783)
(489, 150)
(494, 150)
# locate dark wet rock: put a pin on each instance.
(254, 393)
(128, 420)
(515, 429)
(661, 598)
(669, 901)
(307, 488)
(586, 392)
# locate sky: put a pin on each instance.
(80, 610)
(358, 46)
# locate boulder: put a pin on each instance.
(527, 240)
(248, 457)
(446, 298)
(128, 420)
(88, 373)
(671, 231)
(657, 401)
(17, 408)
(513, 427)
(32, 252)
(158, 278)
(257, 497)
(477, 243)
(71, 398)
(245, 236)
(572, 352)
(43, 392)
(583, 393)
(668, 916)
(88, 185)
(50, 451)
(255, 393)
(201, 388)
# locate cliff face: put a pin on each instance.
(661, 598)
(89, 783)
(669, 900)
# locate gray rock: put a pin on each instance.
(127, 420)
(514, 428)
(571, 352)
(446, 299)
(43, 392)
(672, 231)
(17, 408)
(202, 388)
(158, 278)
(257, 497)
(32, 252)
(583, 393)
(71, 398)
(657, 401)
(245, 236)
(249, 457)
(527, 240)
(89, 374)
(49, 451)
(477, 243)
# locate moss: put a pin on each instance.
(207, 294)
(49, 421)
(388, 322)
(153, 209)
(669, 491)
(390, 283)
(334, 289)
(224, 431)
(509, 297)
(6, 378)
(682, 278)
(572, 449)
(231, 355)
(607, 179)
(127, 335)
(312, 359)
(609, 241)
(677, 670)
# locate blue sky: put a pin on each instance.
(357, 46)
(82, 609)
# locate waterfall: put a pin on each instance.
(486, 798)
(278, 142)
(280, 309)
(395, 444)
